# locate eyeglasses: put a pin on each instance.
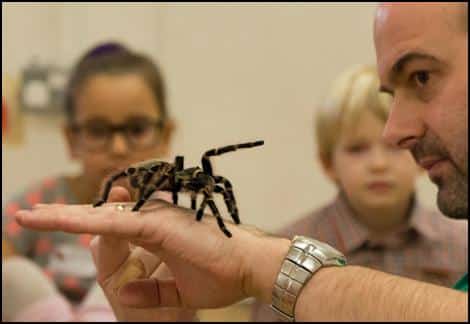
(139, 133)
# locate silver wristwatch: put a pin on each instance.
(304, 258)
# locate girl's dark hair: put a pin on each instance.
(113, 58)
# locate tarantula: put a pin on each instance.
(152, 175)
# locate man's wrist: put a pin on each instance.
(319, 286)
(262, 266)
(305, 257)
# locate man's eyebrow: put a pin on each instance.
(400, 64)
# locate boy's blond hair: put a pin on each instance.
(355, 91)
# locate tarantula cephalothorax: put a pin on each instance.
(152, 175)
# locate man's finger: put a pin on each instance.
(105, 220)
(139, 265)
(150, 293)
(119, 194)
(163, 195)
(110, 253)
(162, 272)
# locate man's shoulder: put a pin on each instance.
(462, 284)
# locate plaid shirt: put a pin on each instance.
(430, 248)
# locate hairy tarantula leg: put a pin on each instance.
(107, 188)
(230, 206)
(216, 213)
(206, 164)
(176, 185)
(229, 190)
(193, 201)
(179, 163)
(174, 196)
(200, 211)
(143, 184)
(149, 192)
(141, 193)
(174, 188)
(148, 176)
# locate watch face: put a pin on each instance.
(323, 251)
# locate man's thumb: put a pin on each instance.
(109, 253)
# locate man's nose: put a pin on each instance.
(404, 126)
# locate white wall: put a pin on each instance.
(235, 72)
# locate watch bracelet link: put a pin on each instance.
(302, 260)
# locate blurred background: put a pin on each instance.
(235, 73)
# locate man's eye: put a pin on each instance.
(420, 78)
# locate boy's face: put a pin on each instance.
(372, 173)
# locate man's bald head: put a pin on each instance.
(455, 14)
(464, 15)
(458, 13)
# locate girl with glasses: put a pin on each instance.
(116, 115)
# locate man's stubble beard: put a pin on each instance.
(452, 198)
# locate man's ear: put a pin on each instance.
(327, 165)
(70, 141)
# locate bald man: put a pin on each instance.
(422, 58)
(422, 61)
